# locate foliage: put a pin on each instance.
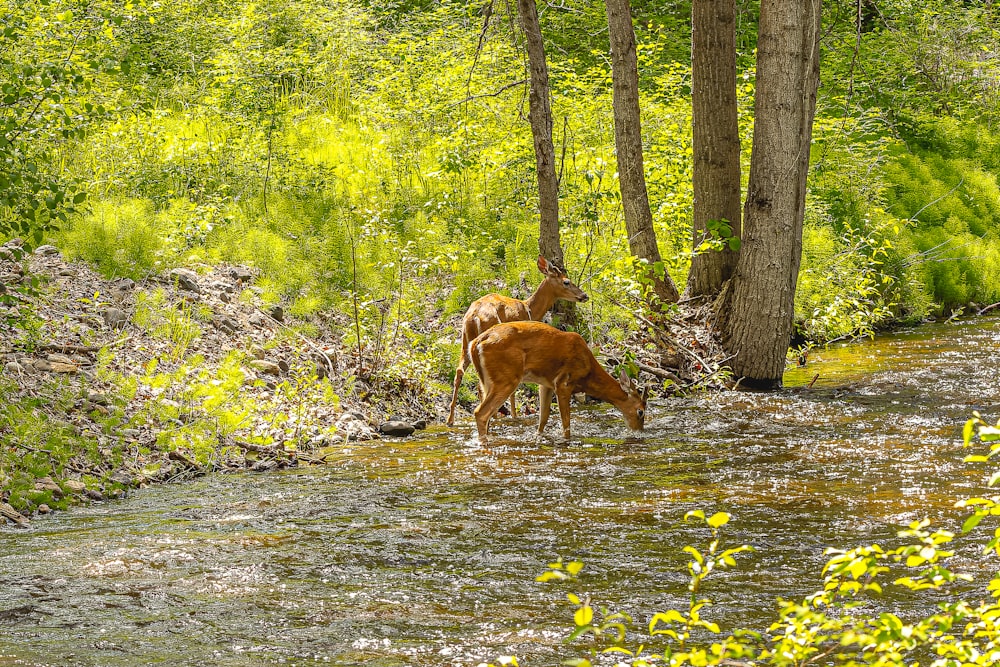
(361, 155)
(52, 53)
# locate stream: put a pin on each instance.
(425, 551)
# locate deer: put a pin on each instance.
(558, 361)
(494, 309)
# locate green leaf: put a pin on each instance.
(718, 520)
(972, 522)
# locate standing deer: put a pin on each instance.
(558, 361)
(494, 309)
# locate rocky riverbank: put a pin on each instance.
(108, 385)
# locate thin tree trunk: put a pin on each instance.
(540, 116)
(756, 308)
(716, 140)
(628, 146)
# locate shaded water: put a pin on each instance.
(424, 552)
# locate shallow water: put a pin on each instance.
(425, 551)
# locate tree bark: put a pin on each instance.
(540, 116)
(628, 146)
(716, 140)
(756, 308)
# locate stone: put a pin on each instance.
(58, 367)
(10, 513)
(46, 250)
(398, 429)
(257, 351)
(67, 272)
(265, 366)
(186, 279)
(354, 426)
(96, 398)
(226, 324)
(49, 484)
(75, 485)
(44, 509)
(57, 358)
(283, 365)
(13, 368)
(277, 312)
(115, 318)
(241, 274)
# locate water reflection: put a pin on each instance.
(424, 552)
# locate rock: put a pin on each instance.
(57, 358)
(186, 279)
(122, 477)
(94, 494)
(418, 425)
(41, 366)
(241, 274)
(67, 272)
(115, 318)
(256, 319)
(13, 368)
(49, 484)
(59, 367)
(46, 250)
(75, 485)
(277, 312)
(226, 324)
(283, 365)
(354, 427)
(9, 512)
(44, 509)
(96, 398)
(397, 429)
(257, 352)
(265, 366)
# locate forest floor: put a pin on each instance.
(107, 385)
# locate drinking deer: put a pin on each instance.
(494, 309)
(558, 361)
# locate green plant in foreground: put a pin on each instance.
(840, 625)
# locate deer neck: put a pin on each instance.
(541, 301)
(600, 384)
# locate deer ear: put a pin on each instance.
(624, 380)
(543, 264)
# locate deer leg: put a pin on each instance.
(563, 395)
(459, 373)
(544, 406)
(495, 395)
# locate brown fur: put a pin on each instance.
(558, 361)
(494, 309)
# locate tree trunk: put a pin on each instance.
(756, 308)
(716, 140)
(628, 146)
(540, 116)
